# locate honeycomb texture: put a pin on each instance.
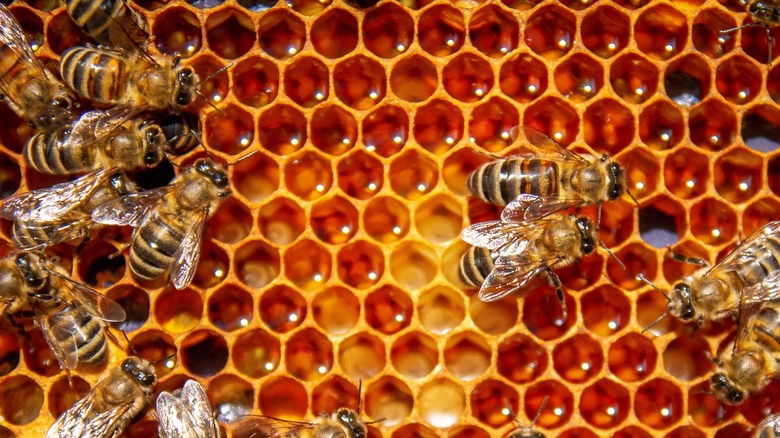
(336, 258)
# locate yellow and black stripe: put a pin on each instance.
(501, 181)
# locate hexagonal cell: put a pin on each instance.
(308, 175)
(634, 78)
(585, 273)
(737, 175)
(232, 222)
(658, 403)
(385, 130)
(98, 265)
(336, 310)
(738, 80)
(362, 356)
(685, 432)
(282, 129)
(759, 213)
(704, 407)
(632, 432)
(687, 80)
(281, 221)
(579, 77)
(441, 402)
(37, 354)
(489, 401)
(523, 78)
(231, 397)
(440, 309)
(755, 407)
(578, 432)
(494, 31)
(632, 358)
(230, 131)
(282, 34)
(467, 77)
(15, 389)
(307, 264)
(360, 175)
(661, 125)
(388, 309)
(14, 135)
(360, 264)
(177, 31)
(230, 308)
(283, 397)
(61, 32)
(414, 355)
(558, 409)
(661, 32)
(33, 29)
(255, 81)
(661, 222)
(414, 78)
(606, 310)
(550, 31)
(713, 222)
(386, 220)
(230, 33)
(438, 125)
(255, 177)
(439, 219)
(496, 317)
(256, 353)
(605, 31)
(69, 390)
(333, 130)
(466, 355)
(388, 30)
(413, 175)
(687, 358)
(309, 7)
(334, 220)
(11, 176)
(204, 4)
(306, 81)
(706, 32)
(213, 266)
(414, 429)
(554, 117)
(492, 123)
(159, 348)
(458, 166)
(308, 355)
(605, 404)
(389, 398)
(617, 223)
(334, 33)
(650, 306)
(9, 352)
(256, 263)
(521, 359)
(332, 394)
(756, 44)
(578, 359)
(643, 174)
(359, 82)
(441, 30)
(467, 431)
(551, 324)
(638, 259)
(761, 128)
(608, 126)
(178, 311)
(413, 264)
(712, 125)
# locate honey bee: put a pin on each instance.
(31, 90)
(506, 255)
(765, 14)
(109, 407)
(527, 432)
(713, 293)
(186, 416)
(181, 132)
(344, 423)
(135, 80)
(554, 177)
(72, 316)
(169, 221)
(769, 428)
(110, 22)
(62, 212)
(97, 140)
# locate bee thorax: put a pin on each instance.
(710, 295)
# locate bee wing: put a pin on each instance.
(745, 251)
(505, 237)
(543, 145)
(751, 301)
(123, 31)
(195, 397)
(188, 254)
(178, 420)
(510, 274)
(129, 209)
(769, 427)
(258, 426)
(70, 228)
(12, 37)
(97, 304)
(71, 423)
(530, 207)
(55, 328)
(105, 422)
(52, 203)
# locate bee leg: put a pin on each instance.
(690, 260)
(15, 325)
(555, 282)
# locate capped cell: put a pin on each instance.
(523, 77)
(605, 31)
(385, 130)
(282, 34)
(306, 81)
(441, 30)
(388, 30)
(494, 31)
(438, 126)
(550, 31)
(492, 123)
(230, 33)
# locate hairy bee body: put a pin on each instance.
(155, 244)
(475, 266)
(344, 423)
(109, 22)
(109, 407)
(31, 90)
(503, 180)
(181, 131)
(78, 330)
(765, 12)
(118, 77)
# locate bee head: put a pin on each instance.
(185, 88)
(587, 235)
(213, 172)
(29, 265)
(153, 142)
(351, 420)
(140, 371)
(759, 11)
(725, 391)
(680, 302)
(617, 180)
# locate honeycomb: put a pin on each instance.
(336, 258)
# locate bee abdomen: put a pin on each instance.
(502, 181)
(94, 74)
(153, 249)
(87, 333)
(44, 153)
(767, 330)
(766, 261)
(475, 265)
(27, 237)
(92, 15)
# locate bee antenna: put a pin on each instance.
(209, 102)
(514, 416)
(172, 355)
(539, 414)
(632, 197)
(360, 389)
(641, 277)
(130, 344)
(611, 254)
(598, 218)
(170, 160)
(205, 149)
(241, 158)
(214, 74)
(660, 318)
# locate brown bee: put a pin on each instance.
(181, 132)
(527, 432)
(62, 212)
(766, 14)
(110, 22)
(186, 416)
(31, 90)
(108, 408)
(344, 423)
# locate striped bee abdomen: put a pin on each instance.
(502, 181)
(475, 265)
(94, 74)
(85, 331)
(767, 330)
(44, 153)
(153, 249)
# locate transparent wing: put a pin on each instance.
(12, 36)
(52, 203)
(127, 31)
(105, 422)
(194, 396)
(507, 238)
(752, 300)
(512, 273)
(543, 145)
(532, 208)
(129, 209)
(769, 427)
(257, 426)
(54, 328)
(175, 418)
(188, 255)
(754, 243)
(71, 423)
(71, 228)
(97, 304)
